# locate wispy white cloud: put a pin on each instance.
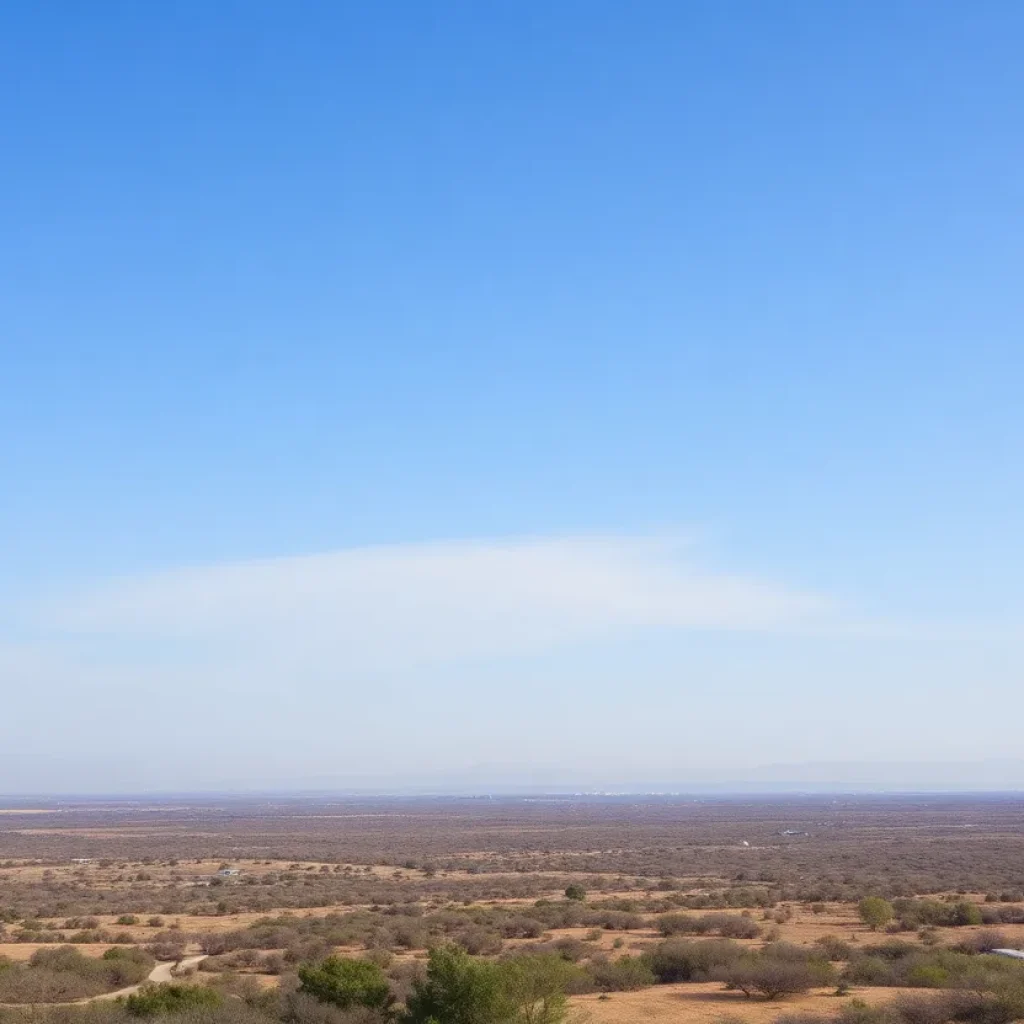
(380, 606)
(410, 659)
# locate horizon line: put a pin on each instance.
(724, 791)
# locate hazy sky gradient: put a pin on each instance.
(572, 391)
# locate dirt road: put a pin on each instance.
(161, 974)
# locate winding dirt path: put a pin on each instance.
(160, 975)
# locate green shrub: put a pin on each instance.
(457, 990)
(875, 912)
(173, 998)
(346, 983)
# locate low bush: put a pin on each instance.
(682, 960)
(775, 971)
(833, 948)
(627, 974)
(154, 1000)
(732, 926)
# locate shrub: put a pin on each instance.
(167, 946)
(893, 949)
(479, 941)
(983, 942)
(900, 963)
(870, 970)
(628, 974)
(675, 924)
(965, 913)
(914, 913)
(736, 927)
(570, 948)
(520, 927)
(776, 971)
(875, 912)
(679, 960)
(833, 948)
(924, 975)
(770, 976)
(173, 998)
(457, 990)
(535, 987)
(733, 926)
(346, 983)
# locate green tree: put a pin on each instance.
(875, 912)
(459, 990)
(346, 983)
(575, 892)
(535, 987)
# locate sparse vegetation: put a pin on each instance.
(64, 973)
(432, 911)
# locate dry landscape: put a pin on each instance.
(864, 910)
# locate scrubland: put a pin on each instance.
(330, 911)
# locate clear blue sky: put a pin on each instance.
(508, 385)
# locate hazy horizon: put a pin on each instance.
(996, 777)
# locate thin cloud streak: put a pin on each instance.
(379, 606)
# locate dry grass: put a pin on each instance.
(23, 950)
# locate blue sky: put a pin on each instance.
(423, 390)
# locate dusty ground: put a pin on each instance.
(24, 950)
(709, 1004)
